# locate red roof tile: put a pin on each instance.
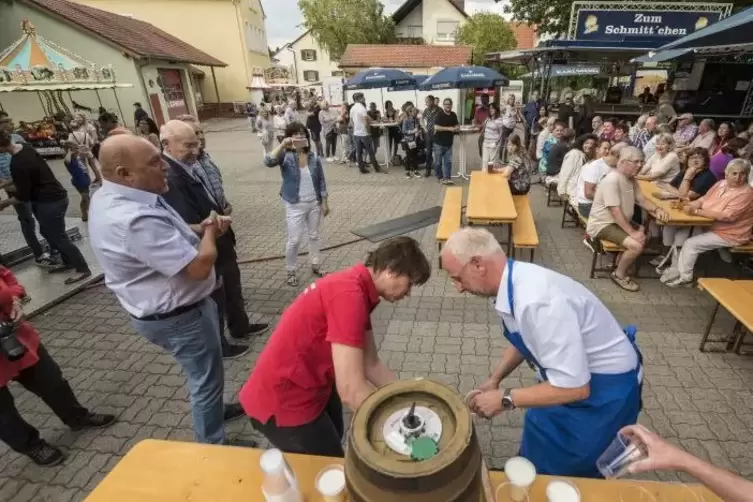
(136, 37)
(405, 56)
(525, 34)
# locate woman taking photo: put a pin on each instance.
(730, 204)
(491, 131)
(687, 186)
(304, 192)
(663, 165)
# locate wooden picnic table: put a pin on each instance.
(490, 202)
(171, 471)
(677, 217)
(736, 297)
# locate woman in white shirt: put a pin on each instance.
(510, 117)
(543, 136)
(583, 151)
(664, 165)
(491, 131)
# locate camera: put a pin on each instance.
(10, 347)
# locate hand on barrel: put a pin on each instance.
(487, 404)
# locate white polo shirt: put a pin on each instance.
(358, 117)
(567, 329)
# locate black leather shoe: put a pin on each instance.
(93, 421)
(233, 411)
(234, 351)
(45, 454)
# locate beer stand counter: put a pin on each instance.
(171, 471)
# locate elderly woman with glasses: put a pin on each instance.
(730, 204)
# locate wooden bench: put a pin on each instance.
(599, 249)
(736, 297)
(571, 215)
(449, 219)
(524, 235)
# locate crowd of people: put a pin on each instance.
(705, 169)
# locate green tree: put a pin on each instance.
(486, 32)
(336, 23)
(553, 16)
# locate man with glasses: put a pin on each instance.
(616, 198)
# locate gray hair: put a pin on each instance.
(738, 163)
(469, 242)
(709, 122)
(663, 129)
(667, 139)
(641, 120)
(629, 152)
(172, 129)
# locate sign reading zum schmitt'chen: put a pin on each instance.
(592, 24)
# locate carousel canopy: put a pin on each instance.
(36, 62)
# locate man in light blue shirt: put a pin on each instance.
(23, 209)
(161, 271)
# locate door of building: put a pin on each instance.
(159, 117)
(173, 92)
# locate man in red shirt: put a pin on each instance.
(322, 353)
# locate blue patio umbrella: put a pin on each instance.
(734, 30)
(464, 77)
(377, 78)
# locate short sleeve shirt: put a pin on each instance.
(295, 375)
(615, 190)
(358, 116)
(593, 173)
(701, 184)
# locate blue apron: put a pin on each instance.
(566, 440)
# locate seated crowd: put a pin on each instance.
(702, 169)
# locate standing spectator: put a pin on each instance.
(393, 132)
(664, 112)
(80, 178)
(543, 139)
(251, 113)
(343, 125)
(479, 115)
(375, 116)
(445, 127)
(38, 373)
(566, 111)
(612, 211)
(531, 115)
(291, 111)
(329, 130)
(266, 128)
(36, 184)
(646, 98)
(686, 129)
(315, 128)
(145, 131)
(429, 119)
(510, 117)
(139, 113)
(492, 134)
(411, 128)
(664, 165)
(279, 123)
(304, 192)
(361, 122)
(162, 272)
(191, 197)
(23, 209)
(555, 138)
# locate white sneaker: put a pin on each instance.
(679, 283)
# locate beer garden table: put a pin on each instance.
(490, 202)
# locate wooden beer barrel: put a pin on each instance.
(374, 472)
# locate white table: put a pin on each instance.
(386, 134)
(462, 134)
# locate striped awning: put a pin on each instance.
(32, 51)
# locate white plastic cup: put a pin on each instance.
(330, 483)
(507, 491)
(520, 473)
(559, 490)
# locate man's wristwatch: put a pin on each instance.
(507, 402)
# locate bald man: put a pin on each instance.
(194, 200)
(162, 271)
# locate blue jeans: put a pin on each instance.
(29, 227)
(443, 161)
(365, 143)
(51, 218)
(193, 338)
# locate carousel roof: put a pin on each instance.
(31, 51)
(33, 61)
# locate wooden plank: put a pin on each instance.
(172, 471)
(677, 217)
(449, 219)
(744, 249)
(524, 233)
(735, 298)
(489, 199)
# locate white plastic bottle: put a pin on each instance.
(279, 483)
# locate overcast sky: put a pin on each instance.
(284, 18)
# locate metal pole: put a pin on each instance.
(115, 92)
(96, 91)
(41, 101)
(216, 90)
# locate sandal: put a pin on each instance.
(292, 279)
(627, 283)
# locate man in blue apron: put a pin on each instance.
(589, 369)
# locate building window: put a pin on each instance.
(338, 73)
(308, 54)
(311, 76)
(446, 30)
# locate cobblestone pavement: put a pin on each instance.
(703, 402)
